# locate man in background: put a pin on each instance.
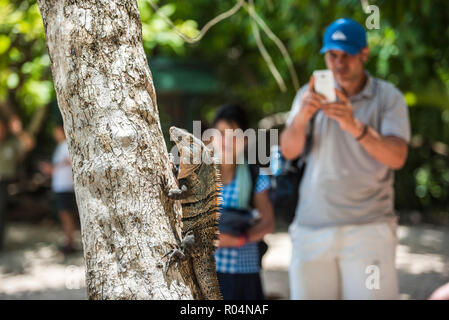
(344, 231)
(62, 185)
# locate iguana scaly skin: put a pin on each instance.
(199, 191)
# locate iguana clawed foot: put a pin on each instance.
(175, 254)
(180, 254)
(179, 193)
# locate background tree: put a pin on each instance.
(120, 166)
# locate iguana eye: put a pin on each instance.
(179, 139)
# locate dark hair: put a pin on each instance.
(232, 113)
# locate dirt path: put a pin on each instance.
(32, 268)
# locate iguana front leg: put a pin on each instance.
(179, 193)
(178, 255)
(182, 191)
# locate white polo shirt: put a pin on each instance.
(342, 183)
(62, 173)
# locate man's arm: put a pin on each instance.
(293, 138)
(391, 151)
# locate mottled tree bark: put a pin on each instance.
(107, 99)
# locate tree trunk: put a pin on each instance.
(107, 99)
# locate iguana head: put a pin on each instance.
(192, 151)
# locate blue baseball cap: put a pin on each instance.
(344, 34)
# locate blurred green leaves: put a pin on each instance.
(156, 32)
(410, 49)
(423, 183)
(23, 62)
(432, 182)
(5, 43)
(25, 77)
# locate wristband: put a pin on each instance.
(364, 132)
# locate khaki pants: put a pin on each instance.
(344, 262)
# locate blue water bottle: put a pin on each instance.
(275, 160)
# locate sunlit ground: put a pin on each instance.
(32, 268)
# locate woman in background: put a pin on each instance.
(237, 257)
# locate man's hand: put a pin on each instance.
(294, 136)
(311, 102)
(342, 112)
(391, 151)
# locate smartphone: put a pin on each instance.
(324, 84)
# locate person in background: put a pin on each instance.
(62, 185)
(237, 257)
(14, 143)
(344, 232)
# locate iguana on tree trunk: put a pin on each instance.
(199, 187)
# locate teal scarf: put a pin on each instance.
(243, 180)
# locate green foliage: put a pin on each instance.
(424, 182)
(24, 63)
(410, 50)
(25, 77)
(156, 32)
